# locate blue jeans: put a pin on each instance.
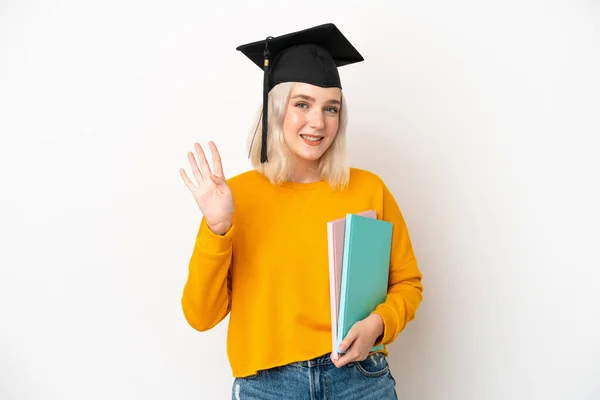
(320, 379)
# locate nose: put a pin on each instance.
(315, 119)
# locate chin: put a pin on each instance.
(316, 158)
(310, 156)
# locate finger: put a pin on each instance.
(216, 160)
(194, 165)
(344, 359)
(348, 340)
(186, 180)
(204, 168)
(346, 356)
(340, 362)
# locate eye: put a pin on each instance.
(332, 110)
(301, 105)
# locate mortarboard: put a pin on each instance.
(311, 56)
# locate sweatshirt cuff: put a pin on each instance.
(390, 324)
(213, 243)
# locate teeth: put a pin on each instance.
(311, 138)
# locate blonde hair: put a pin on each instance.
(332, 164)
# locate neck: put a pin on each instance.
(306, 172)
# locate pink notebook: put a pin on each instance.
(335, 235)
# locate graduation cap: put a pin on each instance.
(310, 56)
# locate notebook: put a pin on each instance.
(335, 236)
(365, 271)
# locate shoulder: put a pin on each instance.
(243, 177)
(247, 179)
(367, 183)
(364, 178)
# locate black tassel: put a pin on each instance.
(265, 113)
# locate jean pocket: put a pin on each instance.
(373, 366)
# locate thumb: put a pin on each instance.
(349, 339)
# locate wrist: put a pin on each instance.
(220, 229)
(377, 323)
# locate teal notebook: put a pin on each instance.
(365, 270)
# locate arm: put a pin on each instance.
(404, 288)
(206, 296)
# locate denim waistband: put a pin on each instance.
(317, 361)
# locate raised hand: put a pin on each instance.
(211, 192)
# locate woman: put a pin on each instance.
(261, 250)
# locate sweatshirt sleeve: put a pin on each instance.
(404, 287)
(207, 292)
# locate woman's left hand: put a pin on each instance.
(360, 340)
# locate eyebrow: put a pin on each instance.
(308, 98)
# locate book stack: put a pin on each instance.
(359, 258)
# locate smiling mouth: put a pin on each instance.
(312, 139)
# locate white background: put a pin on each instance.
(482, 118)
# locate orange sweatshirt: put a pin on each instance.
(270, 270)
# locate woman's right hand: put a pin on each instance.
(212, 194)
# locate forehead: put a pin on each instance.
(317, 92)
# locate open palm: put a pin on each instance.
(211, 192)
